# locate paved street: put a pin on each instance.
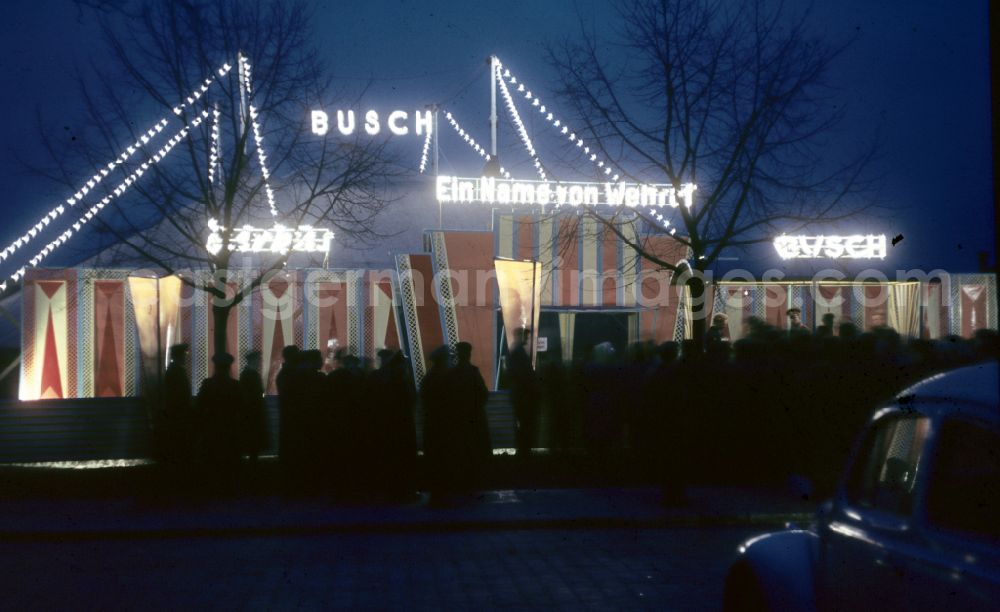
(681, 568)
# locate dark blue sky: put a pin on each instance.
(918, 73)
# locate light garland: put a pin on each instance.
(118, 191)
(516, 117)
(423, 154)
(98, 176)
(472, 142)
(600, 163)
(258, 138)
(659, 217)
(215, 150)
(505, 74)
(196, 94)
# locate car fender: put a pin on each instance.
(781, 567)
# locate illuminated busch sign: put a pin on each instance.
(834, 247)
(277, 239)
(488, 190)
(396, 122)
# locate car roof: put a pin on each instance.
(976, 388)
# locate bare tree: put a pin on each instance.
(731, 96)
(158, 53)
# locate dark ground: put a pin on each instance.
(129, 538)
(525, 569)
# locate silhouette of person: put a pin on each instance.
(795, 323)
(288, 405)
(394, 446)
(253, 408)
(555, 387)
(435, 396)
(219, 400)
(662, 429)
(471, 430)
(312, 412)
(347, 426)
(826, 329)
(603, 380)
(523, 392)
(179, 419)
(717, 333)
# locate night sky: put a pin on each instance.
(917, 75)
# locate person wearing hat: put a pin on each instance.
(254, 412)
(435, 397)
(795, 320)
(219, 401)
(472, 435)
(524, 392)
(177, 431)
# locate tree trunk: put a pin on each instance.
(698, 309)
(220, 318)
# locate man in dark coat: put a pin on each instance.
(253, 408)
(390, 400)
(313, 410)
(471, 430)
(435, 396)
(523, 392)
(347, 433)
(179, 420)
(287, 405)
(219, 402)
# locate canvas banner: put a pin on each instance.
(520, 284)
(277, 322)
(144, 303)
(171, 330)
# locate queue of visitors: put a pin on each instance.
(772, 404)
(349, 431)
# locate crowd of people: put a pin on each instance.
(224, 422)
(776, 402)
(773, 404)
(350, 431)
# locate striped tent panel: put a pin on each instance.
(277, 320)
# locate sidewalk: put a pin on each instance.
(624, 507)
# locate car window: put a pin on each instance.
(883, 476)
(964, 491)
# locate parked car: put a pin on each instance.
(915, 521)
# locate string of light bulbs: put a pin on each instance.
(198, 93)
(423, 154)
(516, 117)
(472, 142)
(257, 136)
(215, 150)
(98, 176)
(504, 74)
(605, 166)
(117, 192)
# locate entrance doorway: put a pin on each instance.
(571, 336)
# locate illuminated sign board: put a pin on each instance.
(396, 122)
(486, 190)
(832, 247)
(276, 239)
